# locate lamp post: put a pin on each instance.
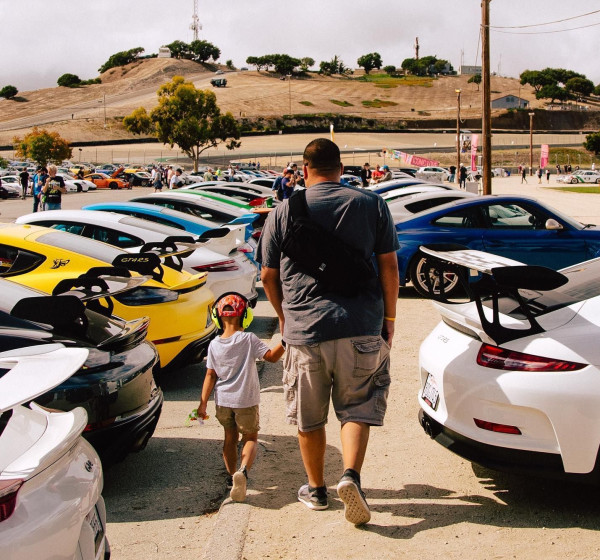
(457, 174)
(289, 77)
(531, 143)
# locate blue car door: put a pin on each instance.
(517, 230)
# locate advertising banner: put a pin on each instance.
(474, 143)
(544, 156)
(417, 161)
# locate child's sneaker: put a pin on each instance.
(313, 498)
(229, 482)
(238, 490)
(349, 490)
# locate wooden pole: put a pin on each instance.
(486, 119)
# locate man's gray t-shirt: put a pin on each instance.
(363, 221)
(234, 361)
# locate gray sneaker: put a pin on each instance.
(238, 490)
(350, 492)
(313, 498)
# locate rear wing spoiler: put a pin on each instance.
(499, 277)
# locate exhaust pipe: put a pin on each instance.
(430, 426)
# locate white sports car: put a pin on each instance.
(511, 379)
(232, 272)
(585, 176)
(50, 477)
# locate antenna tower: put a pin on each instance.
(416, 45)
(195, 25)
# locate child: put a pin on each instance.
(231, 372)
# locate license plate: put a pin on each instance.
(93, 518)
(430, 394)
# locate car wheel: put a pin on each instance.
(112, 185)
(422, 273)
(573, 181)
(598, 180)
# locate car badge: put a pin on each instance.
(89, 466)
(60, 262)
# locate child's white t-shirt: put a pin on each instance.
(234, 361)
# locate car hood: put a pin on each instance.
(34, 370)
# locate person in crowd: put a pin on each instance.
(53, 189)
(375, 175)
(24, 181)
(365, 174)
(547, 175)
(231, 372)
(540, 173)
(176, 179)
(288, 183)
(462, 177)
(387, 174)
(208, 174)
(524, 175)
(158, 182)
(452, 177)
(42, 175)
(337, 346)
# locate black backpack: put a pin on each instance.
(336, 266)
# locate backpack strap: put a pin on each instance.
(297, 205)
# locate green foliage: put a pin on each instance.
(579, 86)
(188, 117)
(121, 59)
(341, 103)
(282, 63)
(91, 81)
(201, 51)
(592, 143)
(229, 64)
(475, 79)
(334, 66)
(537, 79)
(390, 70)
(306, 63)
(42, 146)
(426, 66)
(8, 92)
(370, 61)
(597, 90)
(179, 49)
(307, 103)
(69, 80)
(378, 103)
(552, 92)
(3, 162)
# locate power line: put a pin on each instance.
(547, 23)
(546, 32)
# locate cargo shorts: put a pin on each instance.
(353, 372)
(246, 420)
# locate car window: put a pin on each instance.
(112, 237)
(18, 261)
(463, 218)
(514, 216)
(80, 245)
(206, 213)
(152, 219)
(420, 205)
(70, 227)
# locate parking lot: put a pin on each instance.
(164, 502)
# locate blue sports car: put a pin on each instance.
(516, 227)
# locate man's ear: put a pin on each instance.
(341, 168)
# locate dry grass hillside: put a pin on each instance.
(96, 111)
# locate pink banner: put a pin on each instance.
(415, 160)
(474, 142)
(544, 156)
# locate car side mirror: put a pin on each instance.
(551, 223)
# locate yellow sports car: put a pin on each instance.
(177, 303)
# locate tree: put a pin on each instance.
(410, 65)
(475, 79)
(306, 63)
(121, 59)
(188, 117)
(42, 147)
(8, 92)
(370, 61)
(552, 92)
(284, 64)
(203, 50)
(592, 143)
(597, 90)
(229, 64)
(69, 80)
(537, 80)
(179, 49)
(335, 66)
(390, 70)
(579, 86)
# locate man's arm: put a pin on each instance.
(389, 280)
(272, 286)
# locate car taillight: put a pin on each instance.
(501, 358)
(498, 428)
(145, 295)
(8, 497)
(257, 202)
(256, 234)
(221, 266)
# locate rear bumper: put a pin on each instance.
(192, 353)
(114, 442)
(505, 459)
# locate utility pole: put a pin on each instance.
(289, 77)
(457, 174)
(195, 25)
(105, 110)
(486, 117)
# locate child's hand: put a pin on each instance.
(201, 411)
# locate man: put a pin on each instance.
(365, 175)
(387, 174)
(176, 180)
(288, 183)
(24, 180)
(338, 346)
(208, 174)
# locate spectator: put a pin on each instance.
(53, 190)
(365, 174)
(24, 180)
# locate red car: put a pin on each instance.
(104, 181)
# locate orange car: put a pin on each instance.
(104, 181)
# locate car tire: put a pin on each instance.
(420, 269)
(598, 181)
(113, 185)
(573, 181)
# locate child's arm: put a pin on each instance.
(274, 354)
(207, 388)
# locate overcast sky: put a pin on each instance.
(43, 39)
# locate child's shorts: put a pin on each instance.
(246, 420)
